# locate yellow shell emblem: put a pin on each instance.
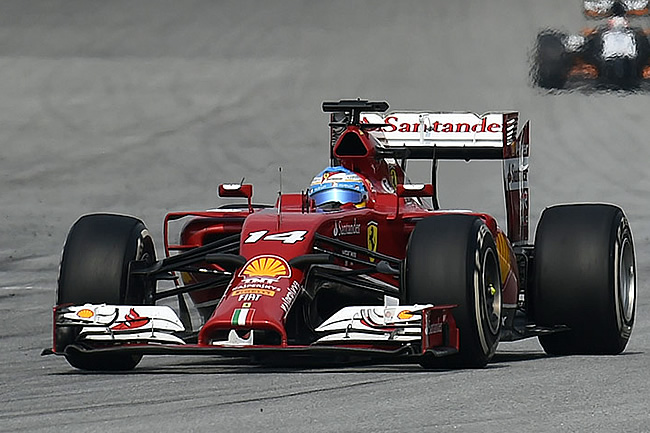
(85, 313)
(267, 266)
(406, 314)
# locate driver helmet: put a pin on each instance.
(335, 186)
(618, 23)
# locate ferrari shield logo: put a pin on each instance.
(372, 234)
(393, 177)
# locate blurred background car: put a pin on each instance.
(603, 8)
(614, 54)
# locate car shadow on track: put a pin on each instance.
(518, 356)
(234, 366)
(219, 366)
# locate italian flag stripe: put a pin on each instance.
(239, 316)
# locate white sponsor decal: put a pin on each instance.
(515, 175)
(288, 299)
(343, 229)
(441, 129)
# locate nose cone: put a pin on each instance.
(257, 303)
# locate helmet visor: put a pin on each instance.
(337, 195)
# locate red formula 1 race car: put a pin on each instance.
(357, 267)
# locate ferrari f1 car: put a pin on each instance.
(613, 55)
(357, 268)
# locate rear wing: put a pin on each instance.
(422, 135)
(465, 136)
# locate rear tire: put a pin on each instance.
(95, 269)
(551, 61)
(452, 259)
(585, 279)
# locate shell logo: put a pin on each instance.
(85, 313)
(405, 315)
(266, 266)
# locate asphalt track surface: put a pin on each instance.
(145, 107)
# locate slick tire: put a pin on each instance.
(551, 61)
(94, 269)
(585, 279)
(452, 259)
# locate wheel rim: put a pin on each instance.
(491, 292)
(627, 281)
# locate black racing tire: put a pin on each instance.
(620, 73)
(94, 269)
(552, 62)
(452, 259)
(585, 278)
(643, 54)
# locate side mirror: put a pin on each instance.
(415, 190)
(236, 190)
(244, 190)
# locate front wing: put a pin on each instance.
(360, 332)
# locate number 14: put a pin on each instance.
(286, 237)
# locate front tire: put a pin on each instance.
(452, 259)
(552, 62)
(95, 269)
(585, 279)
